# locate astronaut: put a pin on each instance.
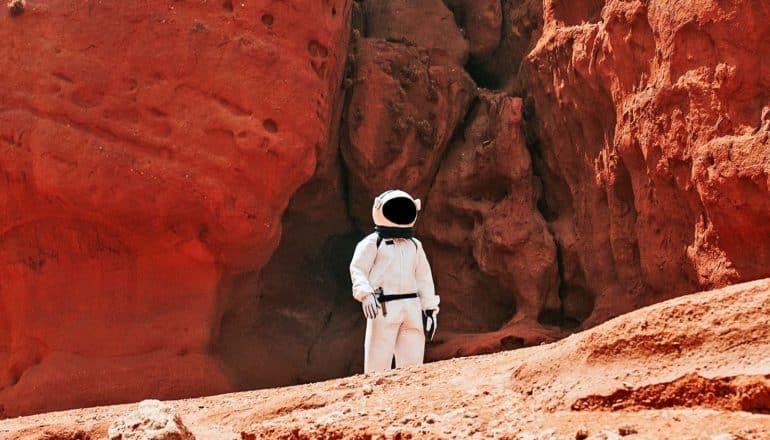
(393, 281)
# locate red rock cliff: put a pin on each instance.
(654, 150)
(148, 152)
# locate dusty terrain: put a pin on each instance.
(690, 368)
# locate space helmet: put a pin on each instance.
(394, 213)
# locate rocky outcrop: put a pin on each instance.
(425, 23)
(520, 27)
(143, 170)
(482, 22)
(654, 151)
(493, 255)
(401, 113)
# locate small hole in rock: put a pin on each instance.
(267, 19)
(317, 49)
(228, 5)
(334, 11)
(511, 343)
(270, 125)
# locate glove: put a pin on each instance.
(371, 306)
(429, 323)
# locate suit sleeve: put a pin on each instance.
(360, 266)
(424, 277)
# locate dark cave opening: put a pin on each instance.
(483, 77)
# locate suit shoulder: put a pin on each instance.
(369, 239)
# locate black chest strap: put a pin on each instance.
(380, 239)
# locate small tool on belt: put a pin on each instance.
(378, 293)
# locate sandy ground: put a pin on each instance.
(696, 367)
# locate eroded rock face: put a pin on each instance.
(492, 251)
(425, 23)
(520, 27)
(482, 22)
(401, 114)
(295, 320)
(655, 153)
(143, 168)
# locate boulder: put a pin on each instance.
(152, 420)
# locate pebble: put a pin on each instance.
(627, 430)
(430, 418)
(367, 389)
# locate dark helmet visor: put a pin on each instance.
(400, 210)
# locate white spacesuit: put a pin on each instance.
(392, 280)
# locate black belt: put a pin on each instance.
(386, 298)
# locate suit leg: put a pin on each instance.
(410, 343)
(380, 342)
